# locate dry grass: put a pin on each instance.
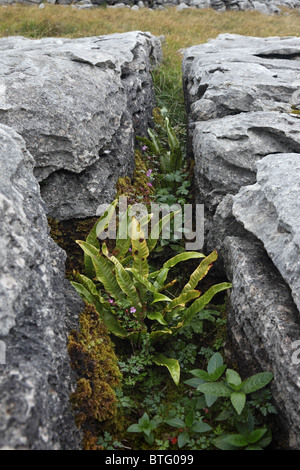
(181, 29)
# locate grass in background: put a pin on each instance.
(181, 30)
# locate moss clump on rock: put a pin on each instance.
(93, 358)
(137, 189)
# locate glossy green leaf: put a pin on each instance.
(256, 382)
(256, 435)
(214, 363)
(202, 301)
(171, 364)
(103, 270)
(200, 374)
(238, 400)
(182, 299)
(140, 251)
(157, 297)
(222, 444)
(175, 422)
(233, 379)
(236, 440)
(215, 389)
(200, 272)
(189, 419)
(125, 282)
(200, 427)
(157, 316)
(194, 382)
(183, 439)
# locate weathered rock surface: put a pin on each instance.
(228, 149)
(270, 209)
(78, 105)
(35, 317)
(241, 95)
(264, 324)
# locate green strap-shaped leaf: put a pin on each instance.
(123, 241)
(162, 273)
(183, 299)
(140, 249)
(148, 143)
(176, 159)
(103, 270)
(200, 303)
(157, 229)
(171, 364)
(87, 283)
(158, 317)
(172, 139)
(125, 282)
(108, 317)
(182, 257)
(142, 280)
(155, 141)
(86, 295)
(157, 297)
(200, 272)
(158, 334)
(161, 277)
(113, 324)
(93, 239)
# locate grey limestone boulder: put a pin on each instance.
(270, 210)
(78, 104)
(264, 328)
(36, 313)
(228, 149)
(243, 132)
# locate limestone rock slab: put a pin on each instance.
(78, 104)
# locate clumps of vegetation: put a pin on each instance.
(94, 360)
(138, 188)
(157, 306)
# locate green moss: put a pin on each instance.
(136, 189)
(95, 362)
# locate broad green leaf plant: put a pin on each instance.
(122, 277)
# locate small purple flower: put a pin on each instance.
(144, 148)
(149, 173)
(129, 249)
(150, 185)
(132, 309)
(111, 301)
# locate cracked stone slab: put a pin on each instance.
(227, 150)
(35, 317)
(78, 104)
(270, 210)
(264, 326)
